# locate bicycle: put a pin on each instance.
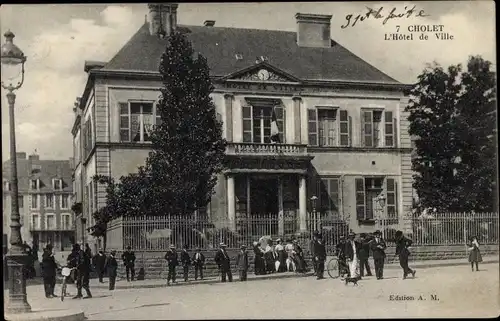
(66, 272)
(337, 268)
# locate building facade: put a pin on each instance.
(343, 129)
(45, 200)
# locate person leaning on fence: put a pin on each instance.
(172, 261)
(128, 258)
(378, 247)
(224, 263)
(402, 250)
(111, 267)
(186, 262)
(474, 253)
(242, 263)
(198, 263)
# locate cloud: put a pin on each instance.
(55, 77)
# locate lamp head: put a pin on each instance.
(10, 53)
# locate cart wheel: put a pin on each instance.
(333, 268)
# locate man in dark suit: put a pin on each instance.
(128, 258)
(99, 264)
(224, 263)
(49, 268)
(79, 260)
(364, 255)
(185, 261)
(242, 263)
(402, 245)
(352, 248)
(172, 261)
(198, 263)
(378, 247)
(311, 250)
(112, 267)
(319, 255)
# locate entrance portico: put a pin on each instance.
(268, 188)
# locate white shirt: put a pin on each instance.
(197, 257)
(353, 247)
(278, 247)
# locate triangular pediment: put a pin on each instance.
(262, 72)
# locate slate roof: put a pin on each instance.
(49, 169)
(220, 45)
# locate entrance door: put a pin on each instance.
(264, 205)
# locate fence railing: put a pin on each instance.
(158, 233)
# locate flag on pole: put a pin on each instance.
(275, 131)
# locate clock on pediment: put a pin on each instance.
(263, 74)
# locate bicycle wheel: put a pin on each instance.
(63, 289)
(333, 268)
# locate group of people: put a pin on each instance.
(278, 258)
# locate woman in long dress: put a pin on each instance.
(259, 263)
(290, 260)
(474, 253)
(269, 257)
(300, 262)
(281, 257)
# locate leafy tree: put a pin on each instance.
(452, 117)
(188, 148)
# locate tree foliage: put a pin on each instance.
(453, 118)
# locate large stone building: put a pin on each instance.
(342, 123)
(45, 200)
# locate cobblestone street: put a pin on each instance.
(436, 292)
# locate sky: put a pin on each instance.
(58, 38)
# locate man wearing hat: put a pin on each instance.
(402, 245)
(352, 248)
(128, 258)
(364, 255)
(378, 247)
(172, 261)
(311, 250)
(111, 268)
(49, 267)
(319, 255)
(224, 263)
(77, 260)
(185, 261)
(242, 263)
(198, 263)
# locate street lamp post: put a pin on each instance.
(12, 58)
(313, 203)
(380, 200)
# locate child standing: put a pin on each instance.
(242, 263)
(475, 253)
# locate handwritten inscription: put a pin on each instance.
(380, 14)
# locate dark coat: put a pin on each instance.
(222, 259)
(340, 250)
(199, 262)
(128, 258)
(100, 261)
(319, 250)
(49, 265)
(111, 266)
(77, 260)
(402, 245)
(364, 251)
(378, 253)
(242, 261)
(185, 259)
(348, 250)
(172, 258)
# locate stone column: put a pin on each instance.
(231, 204)
(302, 203)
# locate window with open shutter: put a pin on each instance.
(312, 126)
(391, 203)
(247, 122)
(344, 128)
(367, 128)
(389, 129)
(124, 122)
(360, 198)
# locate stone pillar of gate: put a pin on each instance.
(281, 218)
(231, 202)
(302, 203)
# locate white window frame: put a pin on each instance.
(47, 221)
(47, 202)
(337, 141)
(381, 138)
(37, 180)
(38, 221)
(54, 180)
(70, 220)
(61, 201)
(37, 197)
(142, 130)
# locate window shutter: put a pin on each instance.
(350, 131)
(360, 198)
(312, 126)
(389, 129)
(280, 118)
(124, 122)
(395, 128)
(246, 111)
(391, 207)
(362, 116)
(344, 128)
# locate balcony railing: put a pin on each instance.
(265, 149)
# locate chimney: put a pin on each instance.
(34, 157)
(162, 18)
(21, 155)
(209, 23)
(313, 30)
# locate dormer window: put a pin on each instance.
(36, 169)
(35, 184)
(57, 184)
